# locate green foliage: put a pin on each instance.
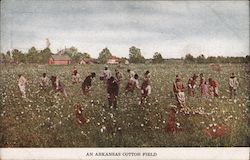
(247, 59)
(135, 55)
(45, 55)
(33, 56)
(157, 58)
(2, 58)
(201, 59)
(86, 55)
(18, 56)
(104, 56)
(71, 52)
(189, 58)
(79, 56)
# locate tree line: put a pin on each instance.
(189, 58)
(135, 56)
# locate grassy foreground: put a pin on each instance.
(48, 121)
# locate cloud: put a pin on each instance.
(164, 26)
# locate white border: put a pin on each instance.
(222, 153)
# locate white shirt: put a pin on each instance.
(148, 88)
(107, 73)
(131, 73)
(135, 81)
(233, 82)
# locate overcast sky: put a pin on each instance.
(171, 28)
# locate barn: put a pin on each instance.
(58, 59)
(113, 60)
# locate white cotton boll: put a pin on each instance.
(111, 115)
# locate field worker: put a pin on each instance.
(191, 86)
(22, 83)
(58, 86)
(87, 83)
(233, 85)
(131, 73)
(75, 77)
(213, 88)
(107, 73)
(147, 76)
(80, 117)
(178, 89)
(132, 84)
(44, 81)
(145, 91)
(202, 81)
(112, 90)
(118, 76)
(205, 89)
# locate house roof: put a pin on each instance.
(60, 57)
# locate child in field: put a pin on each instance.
(178, 89)
(132, 84)
(205, 90)
(118, 76)
(233, 85)
(202, 81)
(80, 117)
(191, 86)
(131, 73)
(22, 83)
(87, 83)
(145, 91)
(213, 88)
(112, 90)
(147, 76)
(107, 73)
(44, 81)
(58, 86)
(75, 77)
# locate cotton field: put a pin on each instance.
(44, 119)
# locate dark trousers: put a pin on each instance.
(112, 100)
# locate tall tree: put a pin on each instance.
(135, 55)
(18, 56)
(104, 55)
(71, 52)
(45, 55)
(86, 55)
(189, 58)
(201, 59)
(32, 56)
(157, 58)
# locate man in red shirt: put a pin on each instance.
(213, 87)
